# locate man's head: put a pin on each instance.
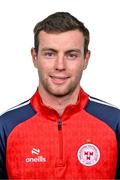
(60, 54)
(60, 22)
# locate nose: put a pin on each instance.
(60, 63)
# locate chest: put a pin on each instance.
(82, 147)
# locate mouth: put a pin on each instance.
(59, 80)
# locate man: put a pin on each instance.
(61, 132)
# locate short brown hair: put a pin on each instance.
(60, 22)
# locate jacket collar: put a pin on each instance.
(52, 114)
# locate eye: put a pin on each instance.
(49, 54)
(72, 56)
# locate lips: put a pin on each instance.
(59, 80)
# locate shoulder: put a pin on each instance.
(16, 115)
(102, 105)
(104, 111)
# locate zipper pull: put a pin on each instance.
(59, 124)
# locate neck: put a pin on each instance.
(59, 103)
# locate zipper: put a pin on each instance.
(60, 138)
(59, 124)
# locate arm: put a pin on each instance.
(118, 139)
(3, 173)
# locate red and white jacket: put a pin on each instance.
(84, 143)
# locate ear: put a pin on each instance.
(34, 57)
(86, 60)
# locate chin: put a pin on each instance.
(60, 93)
(61, 90)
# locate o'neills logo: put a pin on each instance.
(37, 159)
(88, 154)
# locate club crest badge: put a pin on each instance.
(88, 154)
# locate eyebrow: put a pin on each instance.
(54, 50)
(48, 49)
(73, 50)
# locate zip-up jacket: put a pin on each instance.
(84, 143)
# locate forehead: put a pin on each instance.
(69, 39)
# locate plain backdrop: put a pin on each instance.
(18, 77)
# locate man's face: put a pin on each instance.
(60, 62)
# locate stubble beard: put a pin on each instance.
(60, 91)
